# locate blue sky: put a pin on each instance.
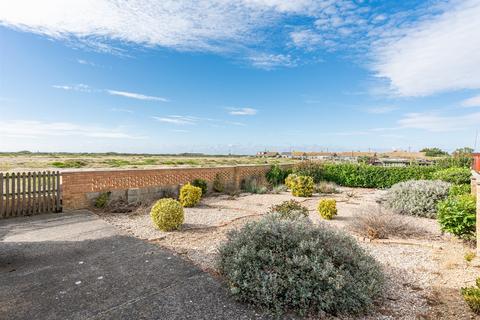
(238, 76)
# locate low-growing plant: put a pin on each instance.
(417, 197)
(287, 265)
(459, 189)
(454, 175)
(167, 214)
(327, 208)
(290, 209)
(202, 184)
(279, 189)
(218, 184)
(303, 186)
(469, 256)
(277, 175)
(254, 185)
(69, 164)
(326, 187)
(190, 195)
(457, 215)
(290, 179)
(102, 200)
(309, 168)
(471, 295)
(376, 223)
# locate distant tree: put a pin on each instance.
(434, 152)
(463, 151)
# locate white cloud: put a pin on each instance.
(270, 61)
(134, 95)
(77, 87)
(382, 110)
(438, 54)
(38, 129)
(471, 102)
(178, 120)
(242, 111)
(438, 123)
(86, 62)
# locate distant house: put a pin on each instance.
(268, 154)
(287, 155)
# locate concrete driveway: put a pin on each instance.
(76, 266)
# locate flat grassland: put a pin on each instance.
(23, 161)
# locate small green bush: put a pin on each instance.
(326, 187)
(327, 208)
(454, 175)
(290, 179)
(457, 215)
(167, 214)
(253, 185)
(309, 168)
(102, 200)
(202, 184)
(69, 164)
(190, 195)
(459, 189)
(218, 184)
(276, 175)
(290, 209)
(287, 265)
(471, 295)
(417, 197)
(303, 186)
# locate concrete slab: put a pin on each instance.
(76, 266)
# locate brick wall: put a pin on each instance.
(77, 187)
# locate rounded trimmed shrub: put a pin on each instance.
(454, 175)
(291, 265)
(290, 209)
(167, 214)
(457, 215)
(290, 179)
(417, 197)
(303, 186)
(327, 208)
(190, 195)
(202, 184)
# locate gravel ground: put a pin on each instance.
(423, 274)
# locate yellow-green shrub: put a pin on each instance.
(167, 214)
(290, 180)
(302, 186)
(327, 208)
(472, 296)
(190, 195)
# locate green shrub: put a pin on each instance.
(471, 295)
(190, 195)
(417, 197)
(167, 214)
(69, 164)
(276, 175)
(279, 188)
(290, 179)
(202, 184)
(456, 215)
(327, 208)
(459, 189)
(303, 186)
(309, 168)
(368, 176)
(291, 209)
(102, 200)
(434, 152)
(218, 184)
(326, 187)
(253, 185)
(459, 161)
(290, 265)
(454, 175)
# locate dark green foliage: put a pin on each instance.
(290, 265)
(291, 209)
(102, 200)
(471, 295)
(459, 189)
(457, 215)
(276, 175)
(309, 168)
(460, 161)
(218, 184)
(434, 152)
(202, 184)
(368, 176)
(69, 164)
(454, 175)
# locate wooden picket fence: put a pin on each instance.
(29, 193)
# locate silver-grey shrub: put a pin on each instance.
(291, 265)
(417, 197)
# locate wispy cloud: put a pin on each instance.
(134, 95)
(439, 123)
(471, 102)
(178, 120)
(381, 110)
(242, 111)
(121, 110)
(86, 62)
(269, 61)
(36, 129)
(76, 87)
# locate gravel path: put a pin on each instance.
(423, 275)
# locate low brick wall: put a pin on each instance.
(81, 187)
